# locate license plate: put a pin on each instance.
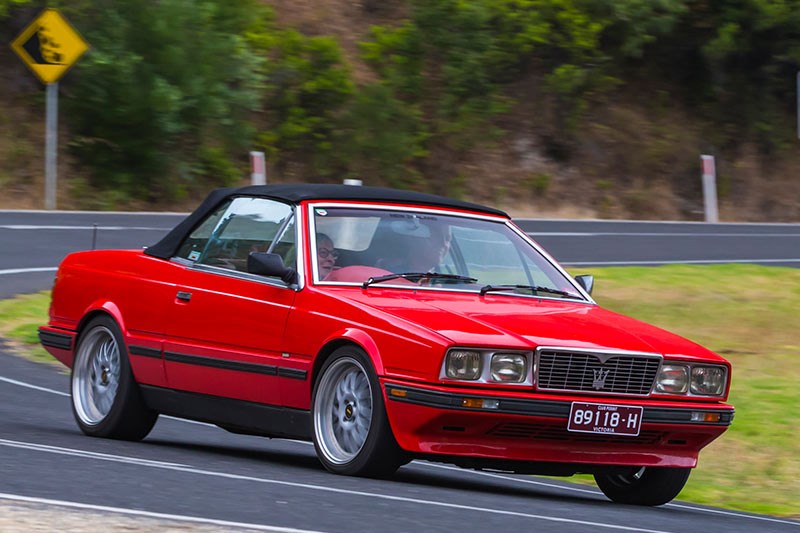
(605, 418)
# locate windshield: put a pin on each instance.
(366, 246)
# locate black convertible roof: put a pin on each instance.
(296, 193)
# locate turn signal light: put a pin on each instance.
(478, 403)
(699, 416)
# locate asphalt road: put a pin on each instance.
(188, 469)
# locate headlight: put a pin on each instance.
(673, 379)
(509, 368)
(463, 364)
(708, 380)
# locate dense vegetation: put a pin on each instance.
(174, 92)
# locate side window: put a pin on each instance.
(241, 226)
(285, 245)
(194, 245)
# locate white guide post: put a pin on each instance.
(710, 188)
(258, 166)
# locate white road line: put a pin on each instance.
(598, 493)
(683, 262)
(95, 213)
(320, 488)
(27, 270)
(148, 514)
(87, 454)
(651, 234)
(34, 387)
(61, 227)
(475, 472)
(43, 389)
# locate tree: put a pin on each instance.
(163, 99)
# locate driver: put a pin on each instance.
(421, 254)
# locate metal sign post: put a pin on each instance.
(51, 147)
(49, 46)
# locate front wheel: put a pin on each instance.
(645, 485)
(106, 401)
(352, 435)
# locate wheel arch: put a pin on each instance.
(98, 309)
(348, 337)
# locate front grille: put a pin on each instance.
(517, 430)
(562, 370)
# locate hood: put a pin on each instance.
(467, 319)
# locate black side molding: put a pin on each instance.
(144, 351)
(52, 339)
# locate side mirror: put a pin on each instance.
(586, 282)
(265, 264)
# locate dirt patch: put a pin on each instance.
(24, 517)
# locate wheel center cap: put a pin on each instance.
(348, 411)
(104, 376)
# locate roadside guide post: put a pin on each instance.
(49, 46)
(258, 168)
(710, 188)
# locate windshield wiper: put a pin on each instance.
(418, 276)
(532, 288)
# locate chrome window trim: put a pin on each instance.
(246, 276)
(300, 245)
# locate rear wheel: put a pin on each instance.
(352, 435)
(106, 401)
(643, 485)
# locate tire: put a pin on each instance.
(106, 401)
(643, 486)
(352, 435)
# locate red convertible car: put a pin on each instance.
(385, 326)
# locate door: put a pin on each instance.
(225, 325)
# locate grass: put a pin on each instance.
(20, 319)
(749, 314)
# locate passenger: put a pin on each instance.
(326, 255)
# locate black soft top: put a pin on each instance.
(296, 193)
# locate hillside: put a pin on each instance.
(633, 153)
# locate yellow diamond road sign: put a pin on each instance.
(49, 46)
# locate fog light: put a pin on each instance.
(463, 364)
(509, 368)
(673, 379)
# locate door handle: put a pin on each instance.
(184, 296)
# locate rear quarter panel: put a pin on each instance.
(133, 288)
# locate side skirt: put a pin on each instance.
(236, 416)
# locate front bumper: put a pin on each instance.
(435, 421)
